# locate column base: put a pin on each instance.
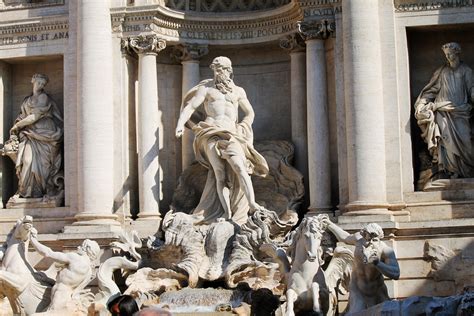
(313, 211)
(92, 226)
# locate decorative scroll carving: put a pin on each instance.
(145, 44)
(322, 29)
(189, 52)
(224, 5)
(293, 42)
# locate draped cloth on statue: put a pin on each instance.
(445, 119)
(226, 143)
(39, 152)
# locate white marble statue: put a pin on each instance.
(224, 145)
(443, 111)
(304, 277)
(373, 259)
(27, 290)
(35, 144)
(75, 271)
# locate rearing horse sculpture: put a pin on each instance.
(306, 287)
(27, 290)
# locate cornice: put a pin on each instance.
(228, 28)
(51, 23)
(424, 5)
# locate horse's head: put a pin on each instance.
(309, 234)
(22, 228)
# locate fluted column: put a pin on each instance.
(95, 113)
(315, 32)
(296, 47)
(148, 123)
(364, 107)
(189, 55)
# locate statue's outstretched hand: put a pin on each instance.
(179, 131)
(33, 233)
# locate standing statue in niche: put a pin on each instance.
(443, 112)
(223, 145)
(373, 259)
(35, 147)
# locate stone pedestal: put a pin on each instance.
(148, 117)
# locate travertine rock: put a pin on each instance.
(447, 265)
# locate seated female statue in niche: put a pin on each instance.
(443, 112)
(35, 146)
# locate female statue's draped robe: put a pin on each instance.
(39, 153)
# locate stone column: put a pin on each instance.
(95, 114)
(364, 107)
(315, 32)
(295, 45)
(148, 122)
(189, 55)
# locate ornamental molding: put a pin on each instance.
(322, 29)
(144, 44)
(177, 27)
(9, 5)
(293, 43)
(188, 52)
(424, 5)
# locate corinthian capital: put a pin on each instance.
(293, 43)
(321, 29)
(189, 52)
(144, 44)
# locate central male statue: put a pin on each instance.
(223, 145)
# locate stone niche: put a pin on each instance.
(425, 56)
(15, 85)
(262, 70)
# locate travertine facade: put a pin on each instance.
(337, 78)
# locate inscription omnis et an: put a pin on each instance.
(31, 38)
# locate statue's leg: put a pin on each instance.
(291, 297)
(315, 295)
(218, 166)
(237, 162)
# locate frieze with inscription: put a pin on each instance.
(30, 38)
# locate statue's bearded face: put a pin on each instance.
(451, 55)
(222, 78)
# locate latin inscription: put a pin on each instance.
(20, 39)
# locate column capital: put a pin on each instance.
(318, 29)
(187, 52)
(143, 44)
(293, 43)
